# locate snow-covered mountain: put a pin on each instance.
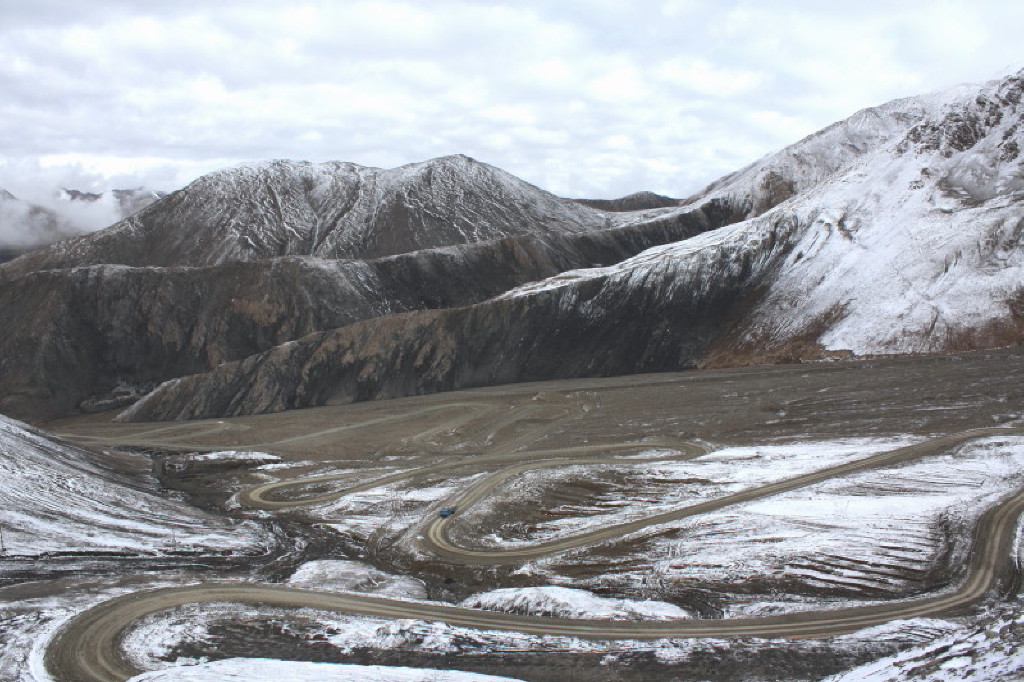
(764, 184)
(900, 230)
(328, 210)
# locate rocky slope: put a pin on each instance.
(329, 210)
(87, 332)
(893, 240)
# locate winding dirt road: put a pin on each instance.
(88, 648)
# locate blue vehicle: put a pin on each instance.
(446, 512)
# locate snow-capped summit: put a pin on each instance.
(329, 210)
(912, 243)
(797, 168)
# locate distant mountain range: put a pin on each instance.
(129, 201)
(25, 226)
(282, 285)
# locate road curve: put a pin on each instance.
(437, 539)
(88, 648)
(265, 496)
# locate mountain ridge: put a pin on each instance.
(838, 269)
(335, 210)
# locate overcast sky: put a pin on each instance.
(593, 98)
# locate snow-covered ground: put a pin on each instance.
(653, 487)
(353, 576)
(564, 602)
(994, 651)
(266, 670)
(875, 535)
(55, 497)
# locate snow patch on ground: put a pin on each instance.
(874, 534)
(267, 670)
(235, 456)
(354, 576)
(564, 602)
(979, 654)
(720, 473)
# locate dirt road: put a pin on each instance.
(88, 647)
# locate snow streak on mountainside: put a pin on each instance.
(57, 498)
(329, 210)
(915, 244)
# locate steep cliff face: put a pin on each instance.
(330, 210)
(914, 244)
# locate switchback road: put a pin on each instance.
(88, 648)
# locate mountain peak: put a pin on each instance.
(332, 209)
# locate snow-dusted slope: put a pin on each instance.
(56, 498)
(329, 210)
(799, 167)
(916, 245)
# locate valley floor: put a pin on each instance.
(762, 523)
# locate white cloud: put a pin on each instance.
(580, 97)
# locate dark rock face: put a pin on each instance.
(87, 330)
(596, 326)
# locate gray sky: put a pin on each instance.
(594, 98)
